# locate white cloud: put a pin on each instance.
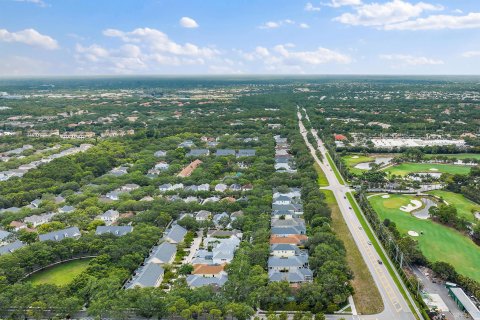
(270, 25)
(439, 22)
(158, 41)
(471, 54)
(310, 7)
(409, 60)
(29, 36)
(187, 22)
(262, 51)
(143, 50)
(318, 56)
(92, 53)
(280, 23)
(384, 14)
(39, 3)
(341, 3)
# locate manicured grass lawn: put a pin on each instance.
(366, 297)
(458, 156)
(406, 168)
(463, 205)
(322, 179)
(438, 242)
(61, 274)
(351, 162)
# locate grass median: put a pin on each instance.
(334, 168)
(322, 179)
(367, 298)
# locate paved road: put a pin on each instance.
(396, 306)
(193, 248)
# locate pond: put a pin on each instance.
(423, 212)
(380, 161)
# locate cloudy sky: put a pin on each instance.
(91, 37)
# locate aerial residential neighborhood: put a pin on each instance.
(235, 160)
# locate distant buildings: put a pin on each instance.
(117, 133)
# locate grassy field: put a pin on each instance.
(61, 274)
(457, 156)
(322, 179)
(463, 205)
(351, 162)
(366, 297)
(406, 168)
(438, 242)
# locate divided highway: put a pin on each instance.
(396, 307)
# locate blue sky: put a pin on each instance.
(91, 37)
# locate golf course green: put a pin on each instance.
(406, 168)
(60, 274)
(437, 242)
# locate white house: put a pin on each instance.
(109, 216)
(221, 187)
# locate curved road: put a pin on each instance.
(396, 306)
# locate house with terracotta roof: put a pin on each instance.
(297, 239)
(187, 171)
(208, 270)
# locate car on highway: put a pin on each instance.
(380, 261)
(369, 243)
(360, 228)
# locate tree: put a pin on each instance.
(445, 271)
(240, 311)
(446, 214)
(185, 269)
(27, 236)
(37, 310)
(50, 226)
(188, 223)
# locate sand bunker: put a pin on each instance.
(386, 196)
(433, 169)
(355, 157)
(413, 205)
(413, 233)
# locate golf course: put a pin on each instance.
(458, 156)
(406, 168)
(352, 160)
(60, 274)
(437, 242)
(465, 207)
